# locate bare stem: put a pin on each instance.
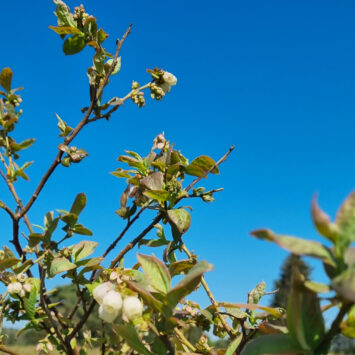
(226, 326)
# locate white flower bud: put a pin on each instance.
(107, 316)
(22, 293)
(132, 308)
(169, 78)
(14, 287)
(112, 302)
(100, 291)
(21, 277)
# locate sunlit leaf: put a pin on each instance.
(73, 45)
(180, 218)
(297, 246)
(6, 78)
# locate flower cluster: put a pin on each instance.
(19, 286)
(162, 83)
(112, 305)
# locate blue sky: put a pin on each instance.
(275, 78)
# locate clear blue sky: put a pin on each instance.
(275, 78)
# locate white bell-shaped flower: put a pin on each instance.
(132, 308)
(112, 302)
(101, 291)
(106, 316)
(169, 78)
(14, 287)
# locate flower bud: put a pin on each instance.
(49, 347)
(22, 293)
(132, 308)
(100, 291)
(112, 302)
(21, 277)
(107, 316)
(169, 78)
(14, 287)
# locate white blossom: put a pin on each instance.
(132, 308)
(169, 78)
(14, 287)
(112, 302)
(27, 287)
(100, 291)
(107, 316)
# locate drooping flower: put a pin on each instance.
(111, 306)
(107, 316)
(132, 308)
(169, 78)
(14, 287)
(100, 291)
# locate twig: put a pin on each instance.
(75, 132)
(135, 241)
(7, 209)
(47, 311)
(183, 339)
(335, 327)
(226, 326)
(195, 181)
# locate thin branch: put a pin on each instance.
(135, 241)
(7, 209)
(226, 326)
(121, 235)
(184, 340)
(121, 102)
(335, 327)
(195, 181)
(75, 132)
(46, 310)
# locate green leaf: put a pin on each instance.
(73, 45)
(180, 267)
(65, 18)
(23, 145)
(200, 166)
(317, 287)
(80, 229)
(304, 316)
(59, 265)
(345, 218)
(83, 249)
(117, 66)
(254, 296)
(78, 204)
(99, 60)
(180, 218)
(6, 78)
(149, 299)
(101, 35)
(66, 30)
(34, 239)
(30, 299)
(159, 195)
(272, 344)
(129, 333)
(297, 246)
(276, 312)
(232, 347)
(322, 222)
(156, 271)
(154, 181)
(188, 284)
(70, 219)
(8, 262)
(24, 267)
(344, 284)
(89, 262)
(63, 127)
